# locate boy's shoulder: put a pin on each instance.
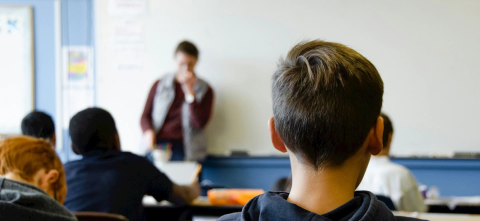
(398, 167)
(231, 217)
(238, 217)
(22, 201)
(387, 169)
(404, 218)
(400, 174)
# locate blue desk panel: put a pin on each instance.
(245, 172)
(454, 177)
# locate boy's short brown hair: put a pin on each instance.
(187, 48)
(326, 98)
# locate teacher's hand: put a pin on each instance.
(150, 139)
(189, 81)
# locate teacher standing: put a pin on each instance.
(178, 108)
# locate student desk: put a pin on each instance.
(440, 216)
(200, 207)
(470, 205)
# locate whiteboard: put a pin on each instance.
(16, 67)
(426, 52)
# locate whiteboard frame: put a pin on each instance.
(58, 76)
(32, 58)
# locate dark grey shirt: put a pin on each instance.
(274, 206)
(20, 201)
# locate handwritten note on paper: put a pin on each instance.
(127, 7)
(127, 45)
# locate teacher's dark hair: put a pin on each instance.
(326, 98)
(187, 48)
(93, 129)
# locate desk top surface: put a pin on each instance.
(202, 201)
(455, 201)
(439, 216)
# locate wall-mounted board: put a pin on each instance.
(16, 67)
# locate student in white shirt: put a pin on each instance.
(389, 179)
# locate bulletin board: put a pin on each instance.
(17, 92)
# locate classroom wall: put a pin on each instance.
(426, 52)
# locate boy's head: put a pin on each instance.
(326, 103)
(33, 161)
(186, 56)
(387, 135)
(93, 129)
(40, 125)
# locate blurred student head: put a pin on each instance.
(33, 161)
(326, 105)
(387, 135)
(186, 56)
(93, 129)
(40, 125)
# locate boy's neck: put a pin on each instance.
(323, 190)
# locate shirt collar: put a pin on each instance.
(275, 204)
(380, 159)
(98, 152)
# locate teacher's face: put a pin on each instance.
(185, 63)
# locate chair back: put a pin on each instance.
(97, 216)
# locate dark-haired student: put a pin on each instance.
(40, 125)
(109, 180)
(178, 108)
(383, 177)
(326, 116)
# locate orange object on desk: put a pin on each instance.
(232, 196)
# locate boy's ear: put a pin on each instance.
(276, 140)
(75, 150)
(376, 139)
(118, 146)
(54, 139)
(52, 176)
